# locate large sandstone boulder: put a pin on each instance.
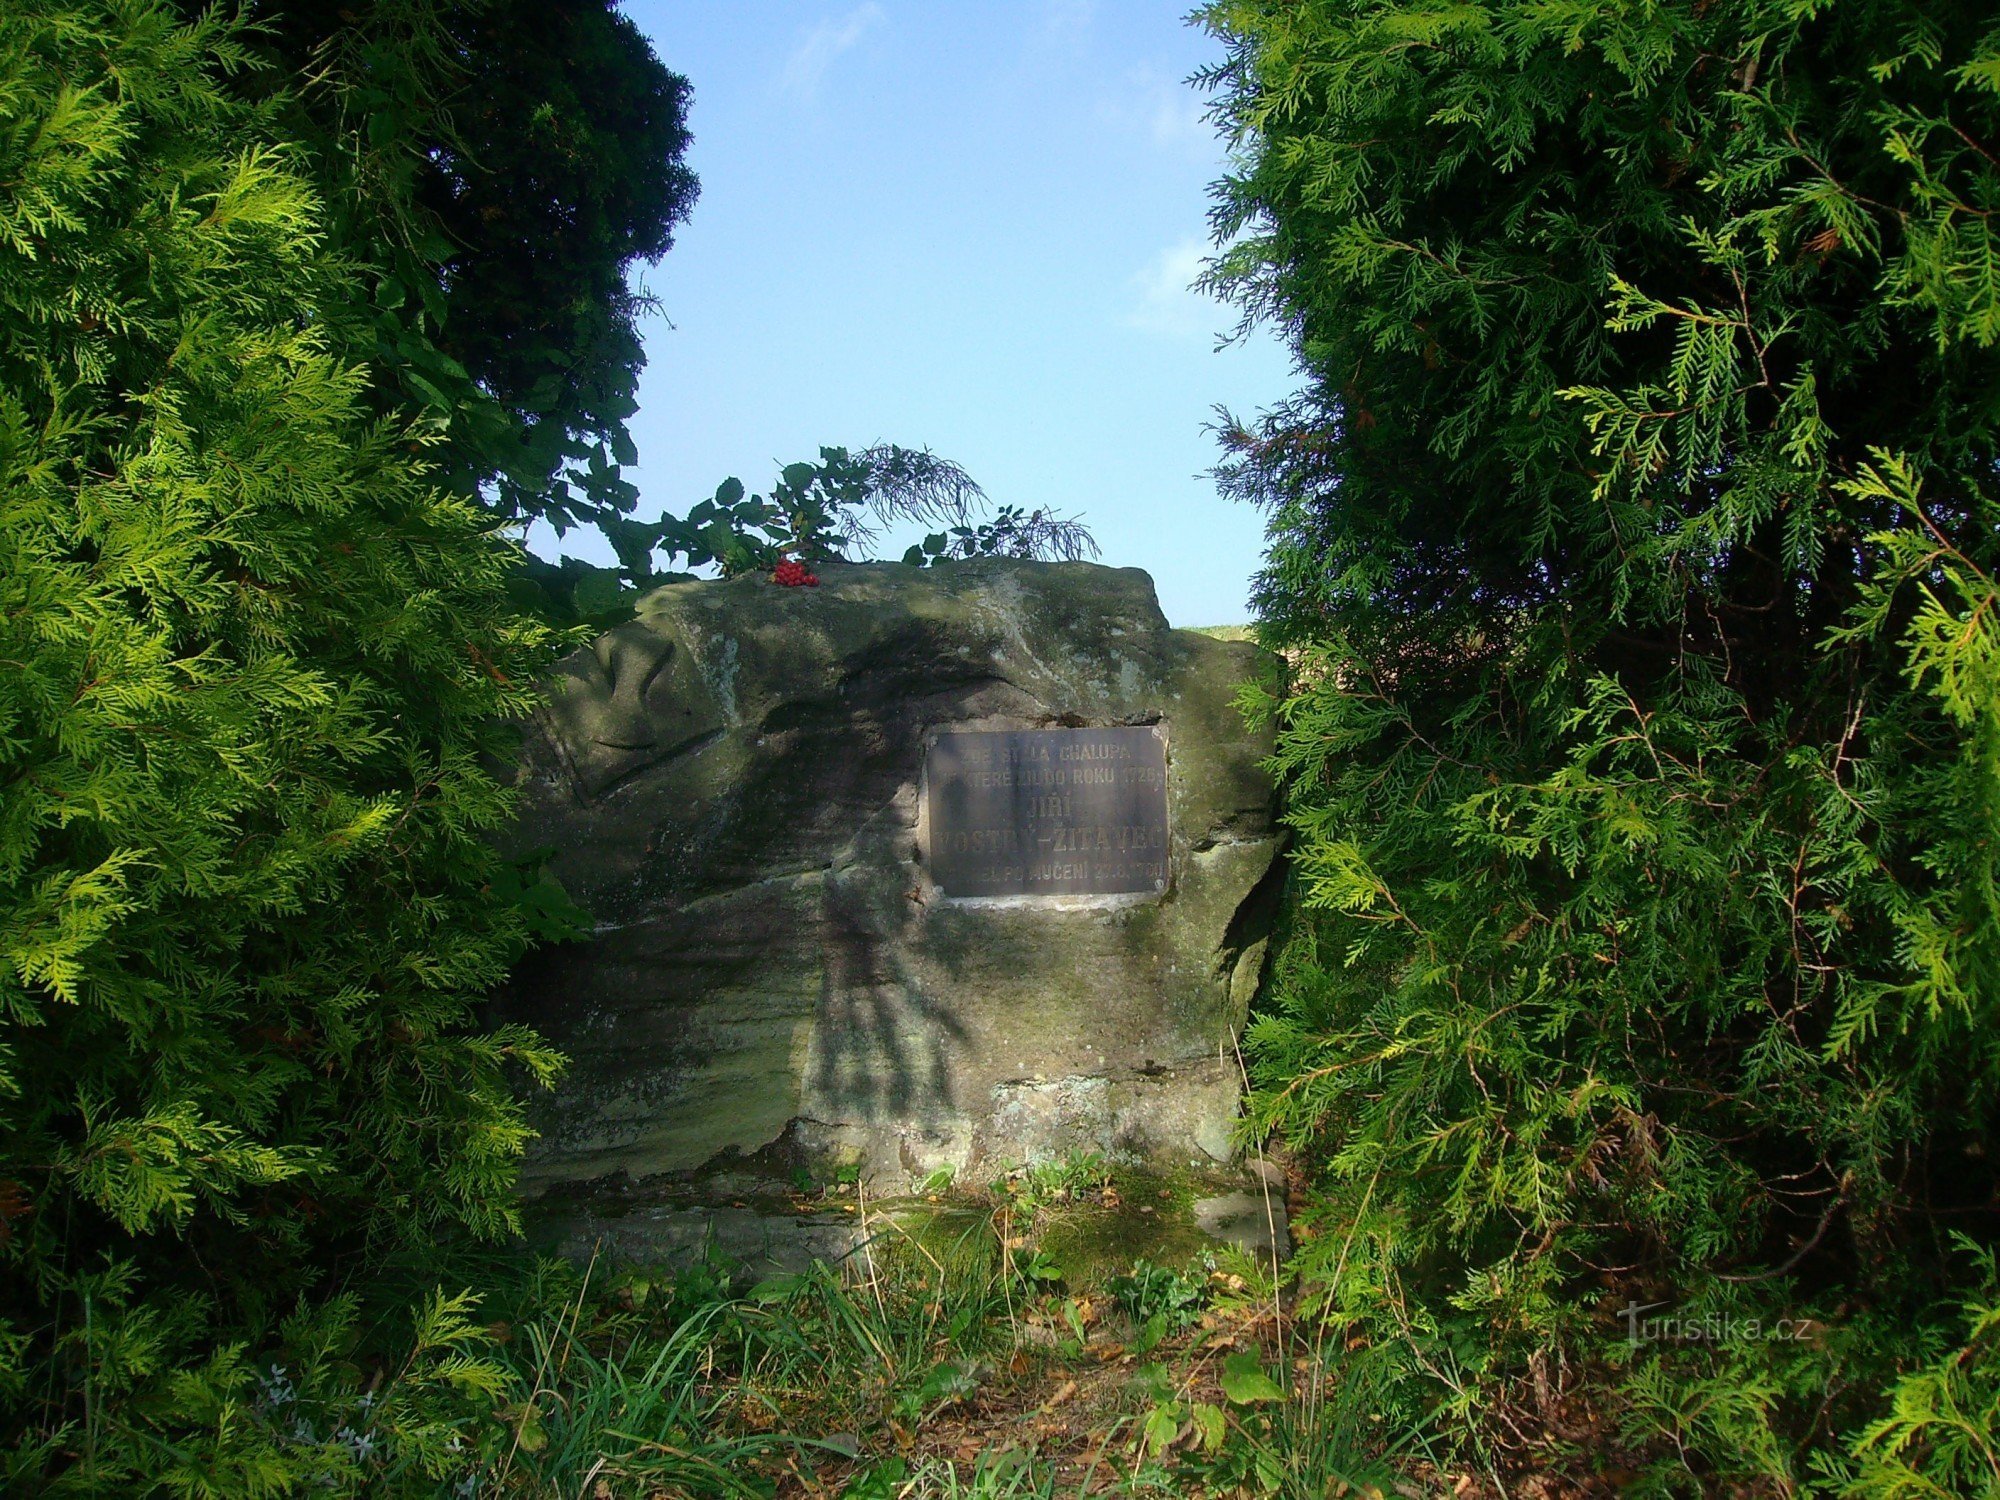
(731, 784)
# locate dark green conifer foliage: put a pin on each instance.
(1636, 532)
(252, 658)
(494, 169)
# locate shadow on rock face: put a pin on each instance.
(733, 783)
(883, 1049)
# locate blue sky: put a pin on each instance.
(968, 227)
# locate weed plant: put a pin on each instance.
(936, 1361)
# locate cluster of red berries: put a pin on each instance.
(791, 573)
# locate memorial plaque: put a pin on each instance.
(1047, 812)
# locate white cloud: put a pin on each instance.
(817, 49)
(1066, 23)
(1168, 112)
(1178, 122)
(1167, 302)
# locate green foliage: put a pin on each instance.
(1937, 1437)
(1255, 1438)
(1031, 1188)
(578, 1378)
(544, 907)
(815, 512)
(831, 511)
(492, 169)
(1010, 532)
(1159, 1300)
(256, 663)
(1635, 541)
(1010, 1474)
(1245, 1382)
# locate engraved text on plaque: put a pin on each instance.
(1047, 812)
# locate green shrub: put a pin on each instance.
(254, 665)
(1937, 1436)
(1635, 536)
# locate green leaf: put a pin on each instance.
(1150, 1333)
(881, 1481)
(529, 1430)
(1162, 1426)
(424, 388)
(1245, 1383)
(1043, 1267)
(1211, 1425)
(600, 591)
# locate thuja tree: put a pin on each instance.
(1634, 533)
(251, 657)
